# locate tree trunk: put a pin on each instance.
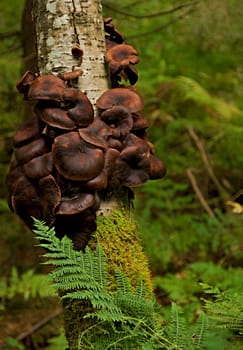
(61, 26)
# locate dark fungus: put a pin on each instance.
(47, 87)
(75, 204)
(33, 149)
(81, 109)
(121, 56)
(54, 116)
(119, 119)
(38, 167)
(120, 97)
(66, 161)
(76, 160)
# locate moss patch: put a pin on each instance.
(119, 236)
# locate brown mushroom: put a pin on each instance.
(50, 198)
(75, 203)
(132, 167)
(96, 133)
(78, 227)
(121, 56)
(157, 168)
(118, 119)
(38, 167)
(68, 76)
(139, 122)
(97, 183)
(25, 201)
(81, 110)
(75, 159)
(28, 132)
(120, 97)
(47, 87)
(54, 116)
(33, 149)
(25, 82)
(114, 34)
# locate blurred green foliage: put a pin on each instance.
(191, 76)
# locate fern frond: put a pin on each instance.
(177, 328)
(200, 332)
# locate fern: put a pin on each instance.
(226, 310)
(124, 319)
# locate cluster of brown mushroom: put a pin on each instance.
(67, 161)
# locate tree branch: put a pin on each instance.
(152, 15)
(35, 327)
(7, 35)
(162, 27)
(222, 192)
(198, 192)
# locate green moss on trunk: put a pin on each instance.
(118, 235)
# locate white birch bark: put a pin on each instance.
(60, 25)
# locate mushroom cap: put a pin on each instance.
(25, 201)
(96, 133)
(157, 168)
(119, 119)
(133, 165)
(114, 34)
(46, 87)
(54, 116)
(130, 73)
(97, 183)
(120, 56)
(75, 204)
(139, 122)
(50, 198)
(78, 227)
(38, 167)
(33, 149)
(82, 113)
(76, 160)
(120, 97)
(25, 82)
(29, 131)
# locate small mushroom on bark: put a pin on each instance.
(114, 34)
(120, 59)
(76, 160)
(120, 97)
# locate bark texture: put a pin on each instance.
(60, 26)
(64, 24)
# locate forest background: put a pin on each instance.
(191, 79)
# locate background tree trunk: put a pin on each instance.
(61, 26)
